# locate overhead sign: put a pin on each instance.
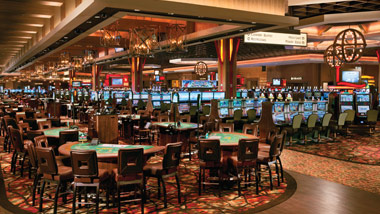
(276, 38)
(295, 78)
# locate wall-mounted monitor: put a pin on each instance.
(76, 83)
(351, 76)
(276, 82)
(116, 81)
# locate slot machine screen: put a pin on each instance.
(184, 96)
(194, 96)
(346, 98)
(345, 107)
(183, 107)
(321, 106)
(325, 96)
(136, 96)
(278, 107)
(238, 94)
(144, 96)
(236, 103)
(106, 95)
(237, 108)
(362, 97)
(291, 115)
(223, 103)
(175, 98)
(294, 106)
(317, 95)
(363, 109)
(156, 97)
(249, 102)
(118, 100)
(321, 114)
(207, 96)
(156, 104)
(167, 97)
(306, 114)
(224, 111)
(308, 95)
(244, 94)
(307, 106)
(219, 95)
(279, 117)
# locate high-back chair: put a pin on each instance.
(20, 117)
(163, 118)
(251, 129)
(32, 123)
(226, 127)
(32, 134)
(338, 126)
(168, 168)
(68, 135)
(246, 161)
(130, 172)
(372, 120)
(19, 153)
(52, 174)
(44, 125)
(251, 114)
(24, 127)
(294, 129)
(33, 166)
(324, 127)
(209, 159)
(185, 118)
(310, 128)
(86, 174)
(41, 141)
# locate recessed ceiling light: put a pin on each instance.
(34, 25)
(97, 17)
(171, 14)
(43, 16)
(137, 10)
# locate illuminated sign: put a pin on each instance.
(276, 38)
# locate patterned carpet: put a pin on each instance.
(19, 193)
(354, 148)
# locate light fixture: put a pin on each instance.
(89, 56)
(39, 69)
(110, 36)
(77, 63)
(331, 58)
(349, 45)
(64, 60)
(176, 38)
(143, 41)
(52, 68)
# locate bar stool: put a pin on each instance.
(20, 152)
(166, 169)
(87, 174)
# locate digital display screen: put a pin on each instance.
(117, 50)
(106, 95)
(238, 94)
(175, 98)
(116, 81)
(77, 83)
(184, 96)
(291, 115)
(362, 97)
(194, 95)
(236, 103)
(219, 95)
(276, 82)
(249, 102)
(351, 76)
(279, 117)
(224, 111)
(308, 106)
(156, 104)
(294, 106)
(157, 78)
(223, 103)
(321, 106)
(308, 94)
(346, 98)
(278, 107)
(166, 97)
(363, 109)
(207, 96)
(183, 108)
(199, 83)
(244, 94)
(344, 108)
(321, 114)
(136, 96)
(144, 96)
(156, 97)
(317, 94)
(306, 114)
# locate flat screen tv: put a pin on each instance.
(116, 81)
(77, 83)
(276, 82)
(351, 76)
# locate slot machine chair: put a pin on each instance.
(295, 128)
(324, 127)
(349, 119)
(310, 126)
(338, 126)
(372, 120)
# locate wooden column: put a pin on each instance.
(95, 78)
(137, 67)
(266, 120)
(227, 54)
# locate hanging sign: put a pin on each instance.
(200, 68)
(276, 38)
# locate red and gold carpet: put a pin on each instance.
(19, 193)
(354, 148)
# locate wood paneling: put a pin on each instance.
(107, 128)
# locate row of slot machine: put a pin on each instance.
(283, 94)
(361, 102)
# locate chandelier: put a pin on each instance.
(77, 63)
(39, 70)
(143, 41)
(89, 56)
(331, 58)
(349, 45)
(64, 60)
(110, 36)
(176, 40)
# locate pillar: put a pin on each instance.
(137, 67)
(95, 77)
(227, 56)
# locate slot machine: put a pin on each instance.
(156, 100)
(135, 98)
(294, 109)
(278, 112)
(248, 104)
(321, 109)
(167, 98)
(307, 109)
(237, 104)
(346, 102)
(86, 94)
(224, 108)
(184, 101)
(206, 98)
(194, 97)
(363, 104)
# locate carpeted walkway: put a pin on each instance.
(354, 148)
(19, 193)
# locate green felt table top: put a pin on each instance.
(107, 148)
(227, 138)
(54, 132)
(183, 125)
